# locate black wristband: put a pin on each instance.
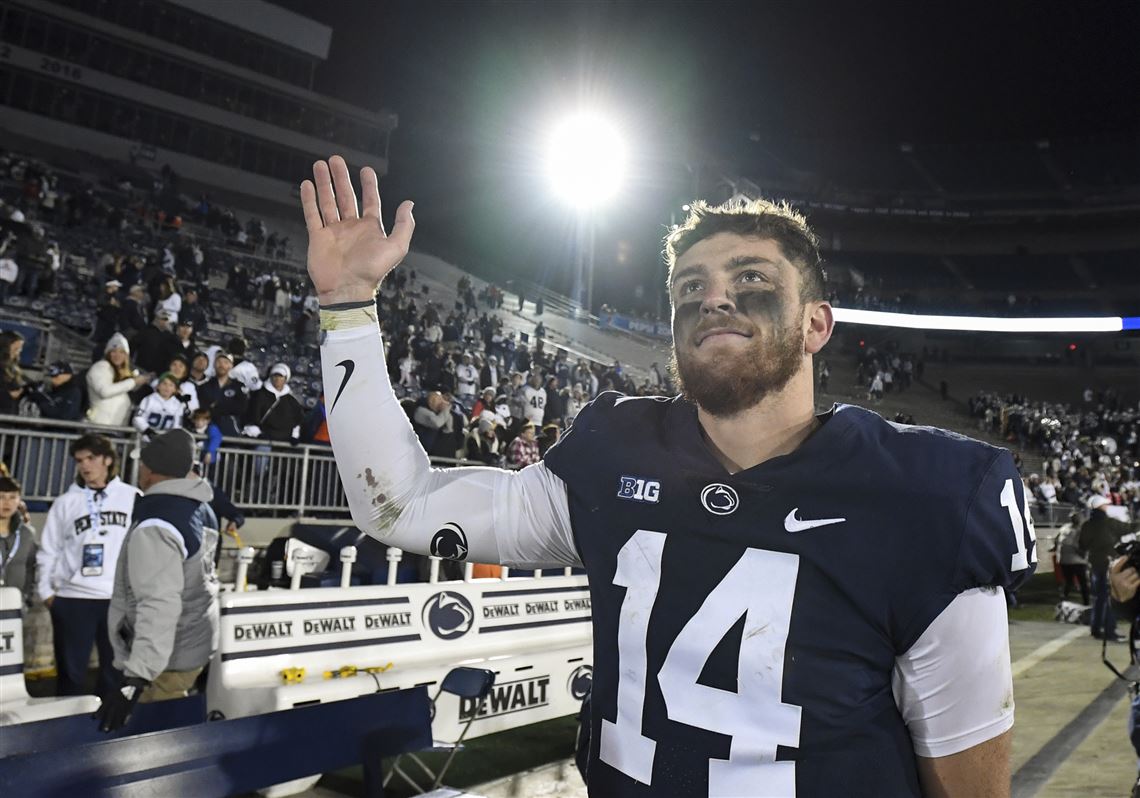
(349, 305)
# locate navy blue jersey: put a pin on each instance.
(746, 625)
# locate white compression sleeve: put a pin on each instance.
(516, 518)
(954, 687)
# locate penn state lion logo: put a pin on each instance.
(449, 542)
(580, 682)
(720, 499)
(449, 615)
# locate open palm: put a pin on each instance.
(349, 252)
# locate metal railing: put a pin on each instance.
(257, 475)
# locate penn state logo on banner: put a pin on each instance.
(449, 615)
(580, 682)
(449, 542)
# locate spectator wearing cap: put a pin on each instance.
(62, 398)
(483, 441)
(199, 366)
(550, 435)
(274, 413)
(109, 383)
(132, 314)
(164, 607)
(1097, 539)
(153, 346)
(185, 334)
(523, 450)
(244, 370)
(227, 399)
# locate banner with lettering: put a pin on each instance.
(534, 632)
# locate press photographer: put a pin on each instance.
(1124, 579)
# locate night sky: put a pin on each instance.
(476, 84)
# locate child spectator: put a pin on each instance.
(208, 447)
(161, 410)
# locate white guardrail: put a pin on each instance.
(255, 474)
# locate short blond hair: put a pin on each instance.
(759, 218)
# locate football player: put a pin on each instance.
(783, 603)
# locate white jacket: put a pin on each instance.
(159, 414)
(110, 402)
(246, 372)
(81, 540)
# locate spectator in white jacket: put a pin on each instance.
(75, 565)
(109, 383)
(244, 371)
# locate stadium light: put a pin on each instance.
(917, 321)
(585, 160)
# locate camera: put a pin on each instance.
(1129, 546)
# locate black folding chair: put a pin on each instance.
(470, 683)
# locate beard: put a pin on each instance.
(735, 382)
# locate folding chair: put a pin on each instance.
(471, 683)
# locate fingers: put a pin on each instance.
(342, 185)
(404, 226)
(369, 193)
(326, 200)
(1117, 565)
(309, 206)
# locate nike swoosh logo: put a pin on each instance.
(349, 366)
(793, 524)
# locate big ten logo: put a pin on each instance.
(580, 682)
(639, 490)
(7, 642)
(263, 631)
(506, 698)
(449, 615)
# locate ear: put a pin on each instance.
(819, 323)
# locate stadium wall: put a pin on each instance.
(64, 135)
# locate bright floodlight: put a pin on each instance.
(585, 160)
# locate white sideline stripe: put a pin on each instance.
(1047, 650)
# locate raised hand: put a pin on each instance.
(349, 252)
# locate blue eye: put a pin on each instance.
(753, 277)
(690, 286)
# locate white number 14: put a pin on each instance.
(761, 587)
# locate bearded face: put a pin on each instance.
(737, 334)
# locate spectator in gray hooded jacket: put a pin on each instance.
(164, 610)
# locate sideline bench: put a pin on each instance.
(16, 706)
